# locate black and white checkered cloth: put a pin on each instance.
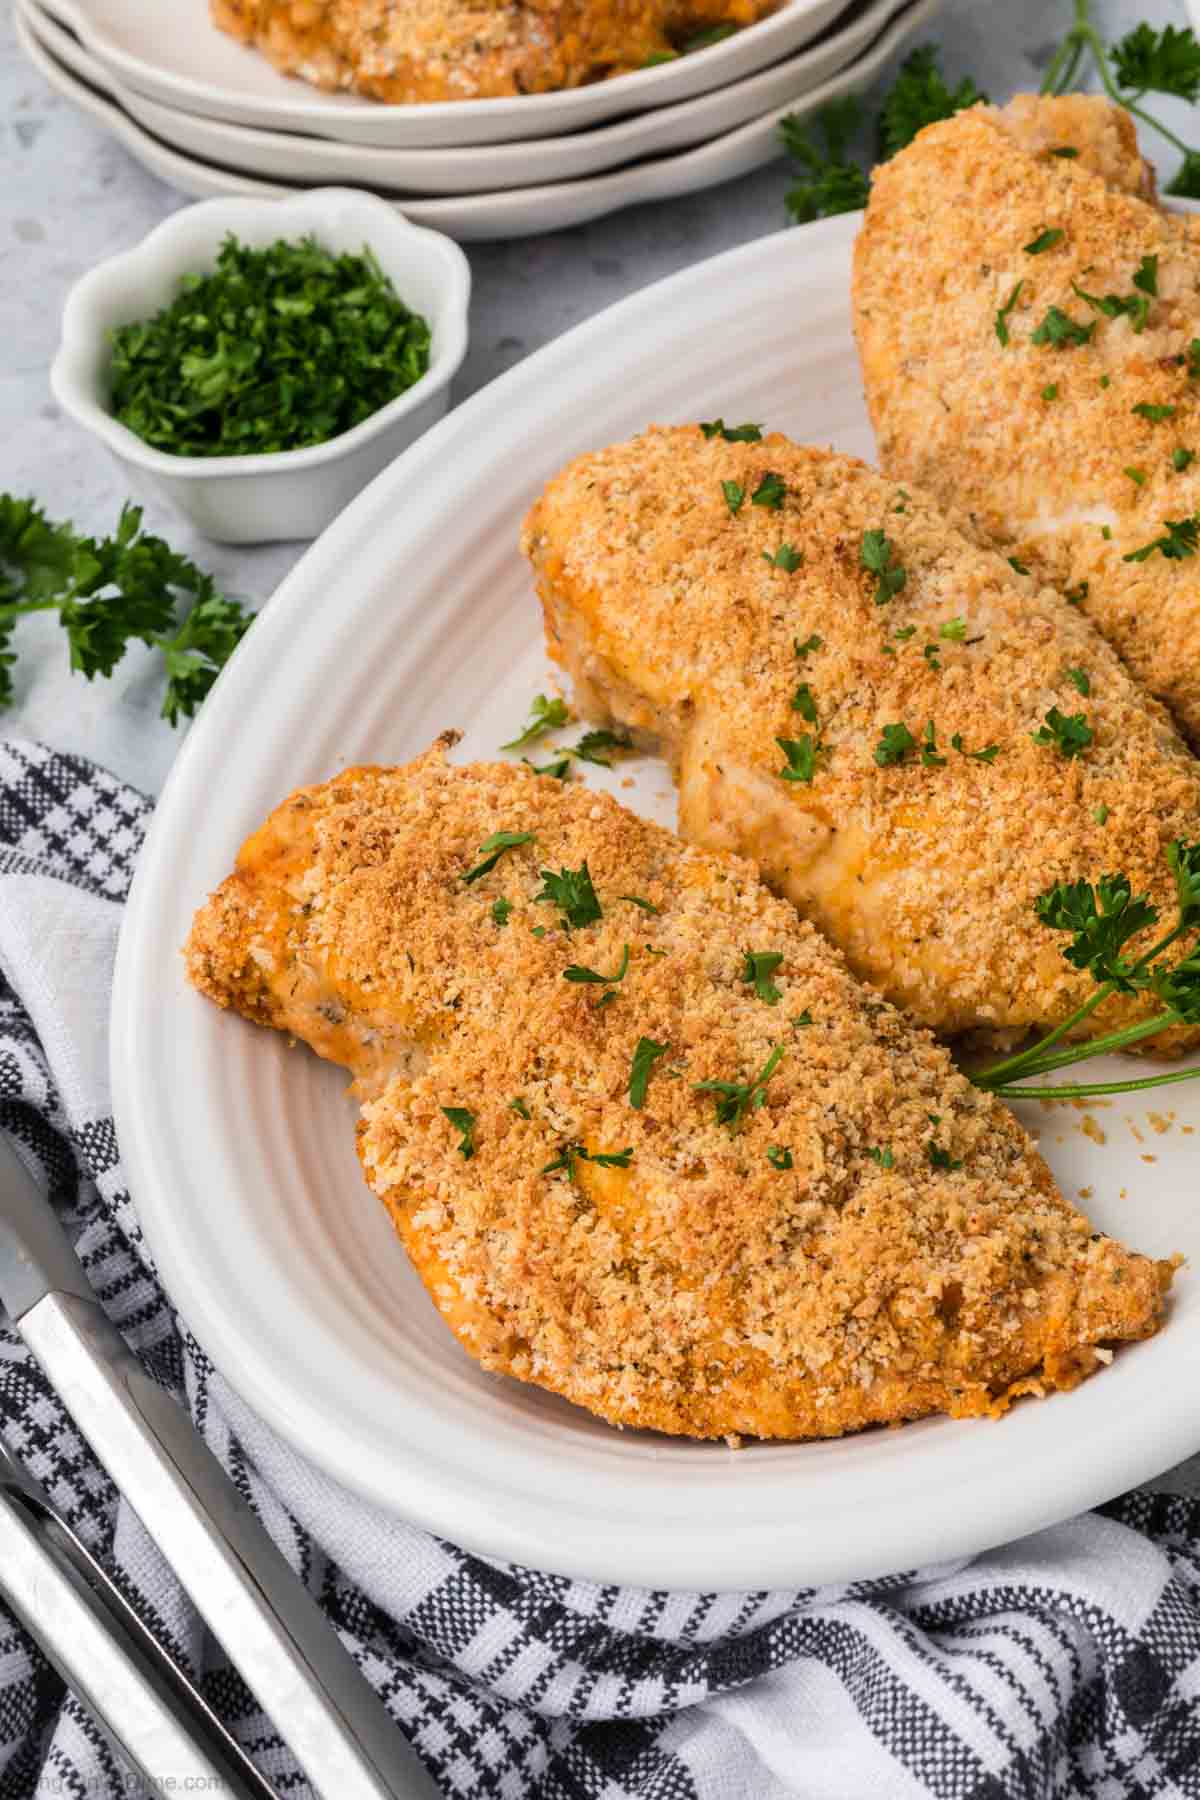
(1066, 1665)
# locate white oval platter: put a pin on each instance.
(414, 612)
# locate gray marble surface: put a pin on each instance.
(70, 196)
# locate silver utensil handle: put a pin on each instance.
(271, 1628)
(74, 1630)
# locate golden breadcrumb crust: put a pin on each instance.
(430, 50)
(1036, 448)
(704, 1289)
(665, 608)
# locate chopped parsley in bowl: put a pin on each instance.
(278, 348)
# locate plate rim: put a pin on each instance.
(1157, 1436)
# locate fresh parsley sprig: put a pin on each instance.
(110, 592)
(1102, 919)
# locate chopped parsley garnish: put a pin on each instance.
(636, 900)
(736, 1098)
(932, 654)
(802, 754)
(735, 495)
(273, 349)
(578, 973)
(593, 742)
(808, 646)
(1067, 150)
(646, 1054)
(733, 434)
(1004, 311)
(1134, 307)
(572, 892)
(501, 910)
(942, 1159)
(769, 493)
(875, 555)
(804, 704)
(882, 1154)
(895, 743)
(1105, 381)
(1070, 733)
(1080, 680)
(779, 1156)
(1182, 458)
(953, 629)
(1045, 240)
(802, 1020)
(559, 767)
(904, 632)
(1179, 540)
(1060, 330)
(702, 40)
(519, 1107)
(544, 715)
(1100, 814)
(1020, 567)
(785, 558)
(1051, 392)
(1146, 276)
(1075, 596)
(1155, 414)
(464, 1123)
(759, 967)
(572, 1153)
(493, 848)
(929, 749)
(1136, 475)
(987, 755)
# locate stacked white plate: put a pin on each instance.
(212, 117)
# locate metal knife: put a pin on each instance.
(272, 1630)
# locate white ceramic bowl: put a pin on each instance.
(287, 493)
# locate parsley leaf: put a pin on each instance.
(1060, 330)
(593, 742)
(785, 558)
(519, 1107)
(1183, 860)
(830, 183)
(920, 96)
(500, 911)
(1146, 276)
(953, 629)
(1161, 62)
(1045, 240)
(895, 743)
(875, 555)
(493, 848)
(1134, 307)
(1080, 680)
(572, 1153)
(779, 1156)
(736, 1098)
(544, 715)
(559, 767)
(942, 1159)
(802, 754)
(637, 900)
(881, 1154)
(578, 973)
(806, 648)
(929, 751)
(1179, 540)
(1101, 920)
(1185, 183)
(733, 434)
(986, 755)
(769, 492)
(804, 704)
(1001, 320)
(1181, 458)
(645, 1055)
(1069, 733)
(572, 892)
(1155, 414)
(464, 1123)
(759, 968)
(735, 495)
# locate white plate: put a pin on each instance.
(518, 212)
(293, 157)
(189, 64)
(413, 613)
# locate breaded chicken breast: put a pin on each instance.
(430, 50)
(647, 1141)
(880, 740)
(1026, 325)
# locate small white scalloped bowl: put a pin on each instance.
(286, 493)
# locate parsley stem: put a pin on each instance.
(1012, 1064)
(1114, 1040)
(1082, 1090)
(1084, 32)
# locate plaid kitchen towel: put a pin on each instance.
(1065, 1665)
